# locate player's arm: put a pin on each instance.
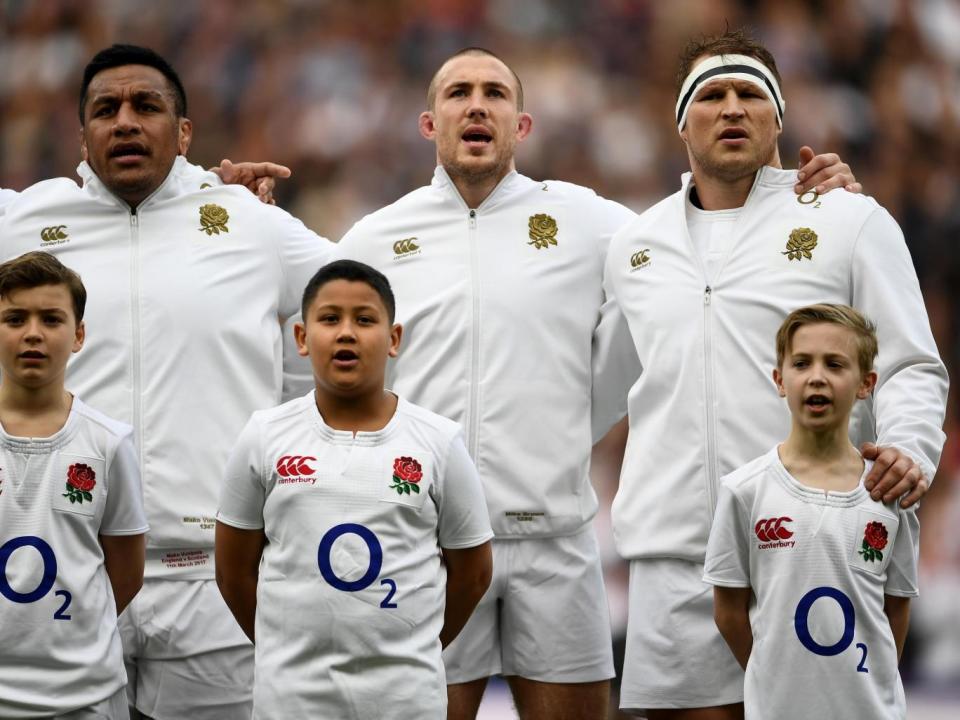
(258, 177)
(731, 612)
(123, 559)
(238, 555)
(469, 572)
(824, 173)
(897, 610)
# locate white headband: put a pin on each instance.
(739, 67)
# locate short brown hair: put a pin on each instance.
(730, 42)
(432, 88)
(863, 329)
(34, 269)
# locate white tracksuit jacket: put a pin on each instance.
(183, 339)
(505, 337)
(705, 403)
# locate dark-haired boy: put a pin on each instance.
(335, 513)
(829, 570)
(71, 513)
(191, 285)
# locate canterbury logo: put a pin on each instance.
(640, 258)
(292, 465)
(401, 247)
(772, 529)
(51, 234)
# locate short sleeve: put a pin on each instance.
(244, 491)
(123, 513)
(463, 518)
(902, 571)
(728, 556)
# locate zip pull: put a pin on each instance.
(706, 295)
(473, 218)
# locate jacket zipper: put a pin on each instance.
(473, 411)
(135, 332)
(712, 472)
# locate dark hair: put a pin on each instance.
(354, 272)
(730, 42)
(34, 269)
(119, 55)
(432, 88)
(843, 315)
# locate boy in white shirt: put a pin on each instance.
(336, 511)
(812, 577)
(71, 510)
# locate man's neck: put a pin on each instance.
(34, 412)
(721, 195)
(366, 413)
(474, 190)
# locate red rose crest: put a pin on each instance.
(407, 475)
(874, 541)
(81, 479)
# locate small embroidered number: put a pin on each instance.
(61, 614)
(862, 667)
(390, 593)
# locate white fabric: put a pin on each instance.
(839, 667)
(550, 589)
(328, 503)
(183, 338)
(675, 657)
(521, 346)
(185, 655)
(711, 232)
(113, 708)
(705, 403)
(6, 197)
(701, 74)
(61, 648)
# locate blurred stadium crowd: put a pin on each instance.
(333, 89)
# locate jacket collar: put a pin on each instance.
(766, 176)
(442, 182)
(172, 186)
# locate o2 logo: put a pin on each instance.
(800, 624)
(46, 582)
(373, 569)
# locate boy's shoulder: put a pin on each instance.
(427, 420)
(93, 417)
(746, 477)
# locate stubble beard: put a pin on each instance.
(473, 173)
(735, 168)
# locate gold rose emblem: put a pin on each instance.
(213, 219)
(543, 231)
(801, 244)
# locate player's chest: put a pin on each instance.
(348, 481)
(63, 486)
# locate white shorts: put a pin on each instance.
(113, 708)
(544, 617)
(675, 656)
(185, 655)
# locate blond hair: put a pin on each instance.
(843, 315)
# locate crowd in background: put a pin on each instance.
(333, 89)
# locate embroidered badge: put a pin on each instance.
(213, 219)
(874, 541)
(405, 246)
(801, 244)
(54, 234)
(407, 475)
(81, 479)
(543, 231)
(640, 259)
(810, 197)
(773, 532)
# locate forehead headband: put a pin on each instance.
(738, 67)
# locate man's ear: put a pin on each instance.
(184, 136)
(524, 126)
(427, 127)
